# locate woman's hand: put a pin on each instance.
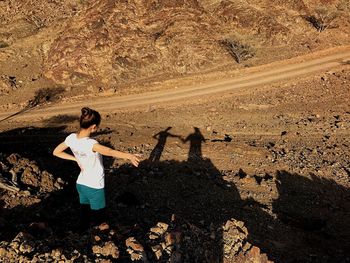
(134, 159)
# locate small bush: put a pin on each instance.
(240, 52)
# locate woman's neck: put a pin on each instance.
(84, 133)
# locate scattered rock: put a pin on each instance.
(103, 226)
(107, 249)
(3, 252)
(135, 249)
(23, 243)
(159, 230)
(157, 249)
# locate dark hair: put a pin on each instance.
(89, 117)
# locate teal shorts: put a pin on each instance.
(91, 196)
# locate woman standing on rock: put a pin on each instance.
(87, 152)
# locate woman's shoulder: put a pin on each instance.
(91, 140)
(70, 139)
(72, 135)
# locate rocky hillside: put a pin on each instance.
(113, 44)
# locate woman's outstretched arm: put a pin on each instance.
(134, 158)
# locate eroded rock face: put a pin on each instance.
(39, 13)
(20, 19)
(113, 42)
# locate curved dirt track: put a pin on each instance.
(275, 72)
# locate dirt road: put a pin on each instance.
(253, 77)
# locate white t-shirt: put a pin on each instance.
(92, 171)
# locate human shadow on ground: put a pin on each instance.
(162, 137)
(308, 222)
(196, 139)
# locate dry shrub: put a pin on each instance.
(238, 49)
